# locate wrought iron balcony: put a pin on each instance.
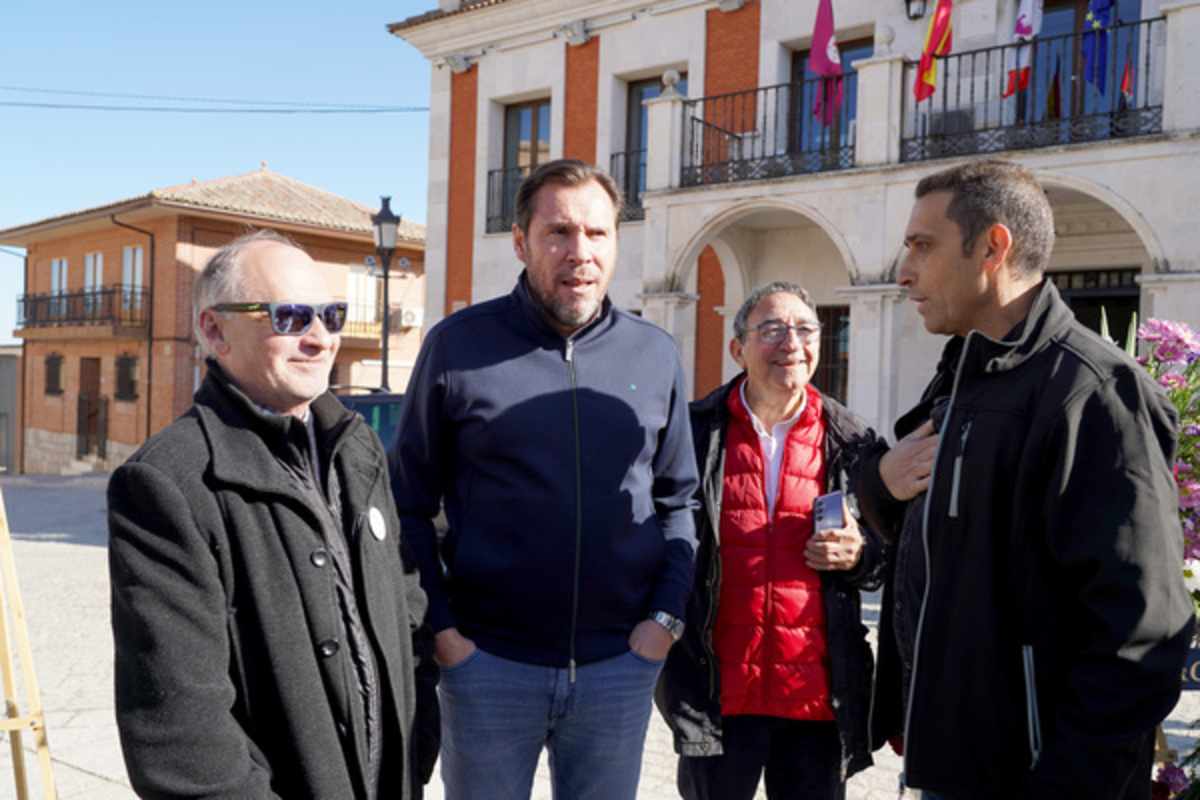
(1070, 97)
(502, 197)
(125, 306)
(628, 169)
(769, 132)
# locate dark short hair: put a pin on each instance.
(989, 191)
(564, 172)
(759, 294)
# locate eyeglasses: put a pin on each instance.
(776, 332)
(294, 319)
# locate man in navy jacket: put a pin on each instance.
(554, 429)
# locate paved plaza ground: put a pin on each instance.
(59, 535)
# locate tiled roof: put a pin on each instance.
(265, 195)
(273, 196)
(437, 13)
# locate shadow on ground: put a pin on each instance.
(56, 508)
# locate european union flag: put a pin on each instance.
(1094, 42)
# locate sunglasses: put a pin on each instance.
(294, 319)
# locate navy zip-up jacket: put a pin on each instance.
(566, 471)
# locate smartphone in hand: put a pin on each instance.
(827, 512)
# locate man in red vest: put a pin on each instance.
(773, 673)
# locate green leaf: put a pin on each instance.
(1131, 339)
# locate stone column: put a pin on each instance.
(875, 341)
(1181, 90)
(675, 312)
(664, 136)
(880, 104)
(1171, 295)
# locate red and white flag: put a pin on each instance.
(1125, 98)
(825, 60)
(938, 42)
(1027, 27)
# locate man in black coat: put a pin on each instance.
(1036, 621)
(268, 624)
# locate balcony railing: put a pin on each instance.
(502, 197)
(767, 133)
(364, 320)
(628, 168)
(1069, 98)
(109, 305)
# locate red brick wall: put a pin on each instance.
(731, 44)
(460, 215)
(710, 327)
(582, 97)
(731, 49)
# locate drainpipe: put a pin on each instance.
(149, 318)
(20, 466)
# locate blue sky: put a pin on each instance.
(55, 160)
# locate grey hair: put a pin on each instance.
(757, 296)
(221, 280)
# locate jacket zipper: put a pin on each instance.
(958, 461)
(714, 587)
(570, 358)
(937, 457)
(1032, 719)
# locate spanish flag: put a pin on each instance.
(937, 43)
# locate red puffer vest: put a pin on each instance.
(770, 629)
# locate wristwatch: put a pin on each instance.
(674, 625)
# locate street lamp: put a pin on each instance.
(387, 227)
(914, 8)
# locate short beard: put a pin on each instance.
(570, 317)
(561, 313)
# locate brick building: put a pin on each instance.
(704, 111)
(106, 318)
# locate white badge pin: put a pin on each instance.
(378, 526)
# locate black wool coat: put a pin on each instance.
(232, 676)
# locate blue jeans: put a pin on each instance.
(497, 715)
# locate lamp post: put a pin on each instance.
(387, 227)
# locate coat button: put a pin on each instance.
(319, 557)
(329, 647)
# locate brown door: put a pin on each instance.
(89, 404)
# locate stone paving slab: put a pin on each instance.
(59, 536)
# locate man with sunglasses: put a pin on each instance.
(554, 426)
(266, 616)
(773, 674)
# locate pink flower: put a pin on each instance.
(1170, 352)
(1189, 494)
(1151, 330)
(1172, 380)
(1179, 344)
(1174, 777)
